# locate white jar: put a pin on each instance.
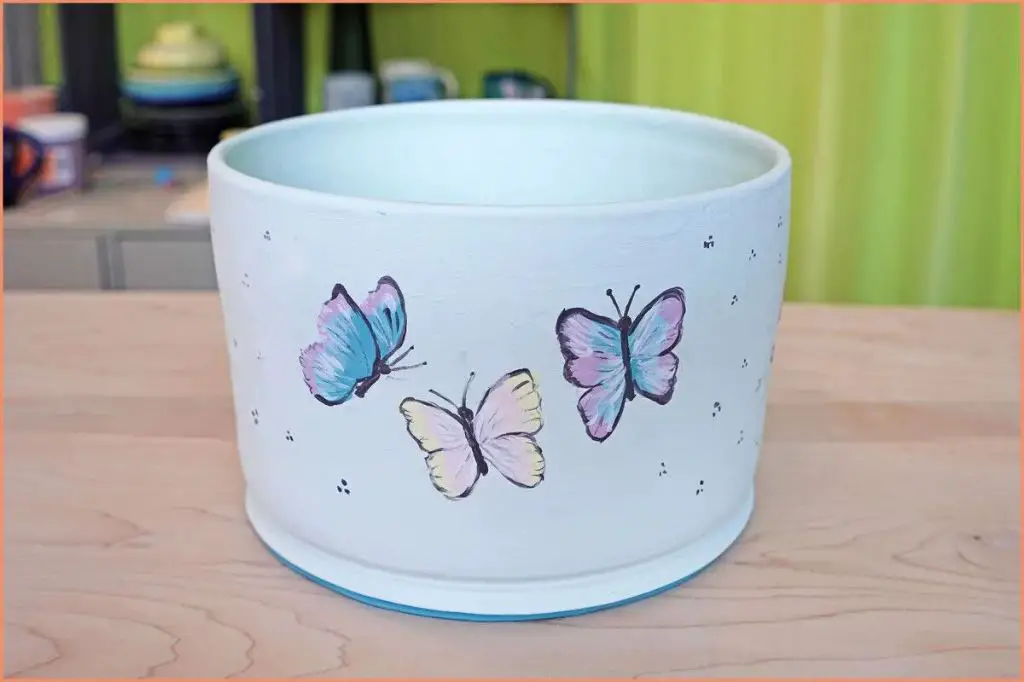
(491, 231)
(62, 136)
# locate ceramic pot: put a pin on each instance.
(149, 87)
(348, 89)
(500, 359)
(416, 80)
(180, 45)
(516, 84)
(30, 101)
(63, 138)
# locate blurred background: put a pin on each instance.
(903, 120)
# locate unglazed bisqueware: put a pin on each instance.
(500, 359)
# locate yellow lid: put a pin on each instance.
(177, 33)
(230, 132)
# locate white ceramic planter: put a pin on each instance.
(605, 450)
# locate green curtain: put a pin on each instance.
(903, 122)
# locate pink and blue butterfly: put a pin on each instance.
(613, 361)
(358, 343)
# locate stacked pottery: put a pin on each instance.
(180, 67)
(23, 154)
(28, 101)
(44, 149)
(181, 90)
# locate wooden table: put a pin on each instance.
(885, 541)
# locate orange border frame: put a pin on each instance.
(881, 2)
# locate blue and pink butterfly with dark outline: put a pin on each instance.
(614, 361)
(357, 342)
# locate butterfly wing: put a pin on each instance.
(652, 337)
(511, 405)
(344, 355)
(517, 457)
(384, 309)
(440, 434)
(592, 348)
(505, 424)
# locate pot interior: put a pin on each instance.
(504, 153)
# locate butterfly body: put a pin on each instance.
(380, 369)
(623, 325)
(614, 361)
(465, 417)
(463, 446)
(359, 343)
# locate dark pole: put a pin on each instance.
(88, 47)
(280, 63)
(351, 48)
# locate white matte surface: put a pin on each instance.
(483, 286)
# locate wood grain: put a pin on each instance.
(886, 539)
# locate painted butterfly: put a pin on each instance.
(461, 446)
(356, 343)
(614, 361)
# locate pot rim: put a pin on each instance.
(219, 168)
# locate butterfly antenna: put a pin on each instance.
(609, 294)
(629, 303)
(401, 356)
(465, 391)
(405, 367)
(444, 399)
